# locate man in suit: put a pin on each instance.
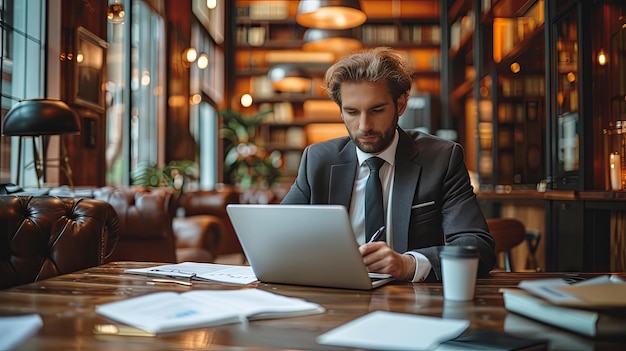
(428, 201)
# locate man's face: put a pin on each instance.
(370, 115)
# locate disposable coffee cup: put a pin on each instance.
(459, 267)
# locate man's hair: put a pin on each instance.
(372, 66)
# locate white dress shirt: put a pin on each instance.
(357, 204)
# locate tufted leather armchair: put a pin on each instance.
(42, 237)
(145, 219)
(211, 204)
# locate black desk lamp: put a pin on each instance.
(38, 118)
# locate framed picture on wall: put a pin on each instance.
(90, 63)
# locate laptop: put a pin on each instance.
(310, 245)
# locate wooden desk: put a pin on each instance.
(66, 305)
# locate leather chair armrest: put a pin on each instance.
(197, 237)
(213, 202)
(92, 210)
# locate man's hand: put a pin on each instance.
(380, 258)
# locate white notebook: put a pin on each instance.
(170, 311)
(382, 330)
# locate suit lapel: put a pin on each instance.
(342, 176)
(404, 185)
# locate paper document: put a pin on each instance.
(169, 311)
(15, 330)
(200, 271)
(599, 292)
(381, 330)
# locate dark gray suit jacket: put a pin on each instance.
(428, 169)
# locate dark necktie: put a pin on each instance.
(374, 214)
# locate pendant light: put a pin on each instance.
(337, 41)
(330, 14)
(289, 78)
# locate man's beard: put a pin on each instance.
(383, 142)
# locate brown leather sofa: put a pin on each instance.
(150, 229)
(45, 236)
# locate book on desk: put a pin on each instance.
(168, 311)
(593, 308)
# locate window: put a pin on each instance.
(133, 133)
(203, 121)
(22, 26)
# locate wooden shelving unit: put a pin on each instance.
(498, 111)
(266, 35)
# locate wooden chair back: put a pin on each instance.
(508, 233)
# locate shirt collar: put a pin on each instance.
(389, 154)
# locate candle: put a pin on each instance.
(615, 171)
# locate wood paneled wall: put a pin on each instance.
(87, 150)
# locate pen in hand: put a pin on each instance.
(377, 234)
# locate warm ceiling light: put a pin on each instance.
(289, 78)
(515, 67)
(145, 78)
(203, 61)
(195, 99)
(601, 57)
(571, 77)
(330, 14)
(246, 100)
(332, 40)
(190, 55)
(211, 4)
(115, 12)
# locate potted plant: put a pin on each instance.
(174, 174)
(247, 163)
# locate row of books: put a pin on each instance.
(593, 308)
(390, 34)
(370, 34)
(265, 10)
(522, 86)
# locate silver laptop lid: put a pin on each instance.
(301, 244)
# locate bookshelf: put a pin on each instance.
(266, 34)
(497, 88)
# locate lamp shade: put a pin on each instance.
(289, 78)
(40, 117)
(330, 14)
(333, 40)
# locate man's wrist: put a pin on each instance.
(410, 267)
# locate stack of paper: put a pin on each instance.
(594, 307)
(200, 271)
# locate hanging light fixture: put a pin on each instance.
(115, 12)
(289, 78)
(330, 14)
(333, 40)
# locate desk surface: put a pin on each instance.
(66, 305)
